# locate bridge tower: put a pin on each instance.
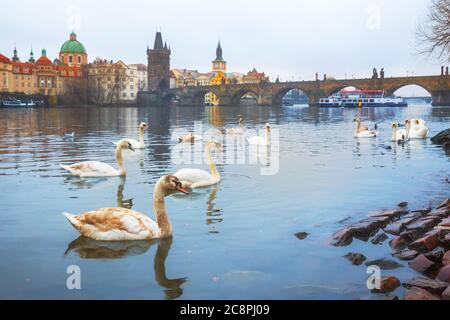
(158, 66)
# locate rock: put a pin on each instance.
(435, 255)
(356, 259)
(388, 284)
(399, 226)
(424, 224)
(446, 294)
(406, 254)
(444, 204)
(444, 274)
(302, 235)
(446, 258)
(391, 214)
(403, 204)
(416, 293)
(421, 264)
(385, 264)
(425, 244)
(399, 243)
(422, 211)
(363, 230)
(379, 239)
(414, 215)
(445, 223)
(442, 137)
(439, 214)
(433, 286)
(342, 238)
(412, 235)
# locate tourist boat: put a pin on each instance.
(333, 101)
(12, 102)
(362, 98)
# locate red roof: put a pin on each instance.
(4, 59)
(44, 61)
(22, 67)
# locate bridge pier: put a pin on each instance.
(440, 98)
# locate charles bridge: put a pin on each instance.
(269, 93)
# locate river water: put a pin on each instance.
(233, 241)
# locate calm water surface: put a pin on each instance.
(233, 241)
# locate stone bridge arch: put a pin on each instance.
(393, 88)
(277, 97)
(236, 98)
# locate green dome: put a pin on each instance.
(73, 45)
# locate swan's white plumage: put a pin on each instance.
(114, 224)
(366, 134)
(193, 178)
(197, 178)
(91, 169)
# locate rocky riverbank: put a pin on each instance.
(420, 236)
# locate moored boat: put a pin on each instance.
(362, 98)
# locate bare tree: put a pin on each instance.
(433, 34)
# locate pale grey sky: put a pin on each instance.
(292, 39)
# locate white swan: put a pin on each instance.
(119, 224)
(257, 140)
(398, 134)
(138, 144)
(363, 132)
(418, 122)
(416, 130)
(196, 178)
(191, 138)
(238, 130)
(100, 169)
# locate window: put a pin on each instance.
(124, 94)
(131, 87)
(62, 59)
(79, 59)
(70, 59)
(132, 94)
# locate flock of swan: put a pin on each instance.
(121, 224)
(414, 129)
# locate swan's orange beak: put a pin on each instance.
(181, 189)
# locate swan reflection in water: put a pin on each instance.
(213, 214)
(87, 248)
(127, 204)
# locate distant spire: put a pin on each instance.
(44, 52)
(31, 56)
(219, 52)
(165, 45)
(158, 42)
(15, 57)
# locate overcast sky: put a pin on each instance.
(292, 39)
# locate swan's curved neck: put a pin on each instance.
(394, 134)
(408, 130)
(159, 207)
(267, 136)
(214, 172)
(141, 135)
(119, 159)
(358, 126)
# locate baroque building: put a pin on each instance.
(158, 66)
(112, 82)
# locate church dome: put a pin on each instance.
(72, 45)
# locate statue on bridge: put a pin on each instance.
(446, 71)
(382, 73)
(375, 73)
